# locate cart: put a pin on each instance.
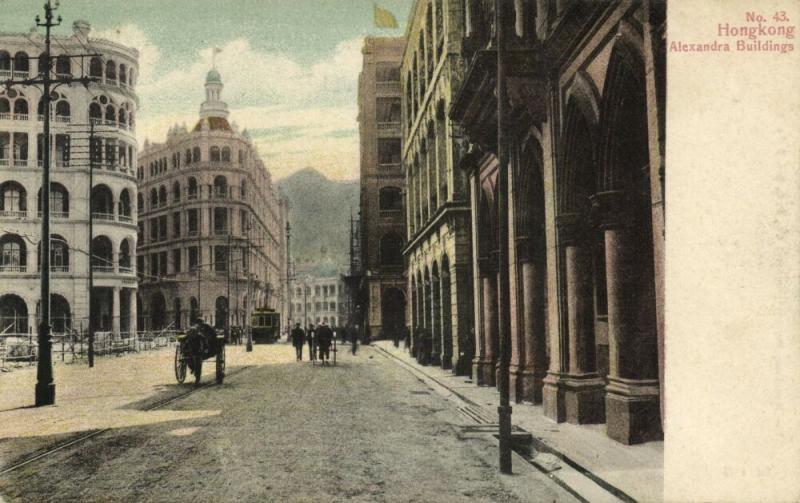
(195, 346)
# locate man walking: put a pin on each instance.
(354, 340)
(311, 340)
(298, 337)
(324, 337)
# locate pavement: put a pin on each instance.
(592, 465)
(368, 429)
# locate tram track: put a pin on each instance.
(87, 436)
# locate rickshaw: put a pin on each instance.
(197, 344)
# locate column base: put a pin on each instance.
(584, 399)
(553, 398)
(477, 371)
(489, 370)
(447, 362)
(633, 414)
(531, 386)
(435, 359)
(515, 382)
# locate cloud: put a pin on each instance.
(299, 115)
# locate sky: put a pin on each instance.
(290, 67)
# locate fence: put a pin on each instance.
(73, 347)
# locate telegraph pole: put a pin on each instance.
(504, 409)
(289, 275)
(228, 294)
(91, 233)
(249, 302)
(45, 386)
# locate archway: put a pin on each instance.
(393, 308)
(13, 315)
(447, 319)
(436, 315)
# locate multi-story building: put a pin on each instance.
(110, 104)
(383, 298)
(437, 195)
(319, 300)
(585, 137)
(211, 224)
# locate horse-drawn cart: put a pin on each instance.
(195, 346)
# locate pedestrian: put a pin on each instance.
(311, 340)
(298, 340)
(354, 341)
(396, 337)
(342, 334)
(324, 336)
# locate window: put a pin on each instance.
(389, 151)
(140, 232)
(162, 263)
(390, 199)
(220, 220)
(153, 225)
(316, 290)
(188, 156)
(96, 67)
(192, 188)
(193, 258)
(220, 186)
(243, 222)
(176, 261)
(387, 72)
(196, 154)
(140, 265)
(193, 224)
(226, 154)
(388, 110)
(176, 192)
(176, 225)
(214, 154)
(111, 71)
(241, 157)
(391, 250)
(12, 197)
(162, 228)
(13, 253)
(221, 258)
(154, 265)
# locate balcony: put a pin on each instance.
(20, 163)
(127, 270)
(54, 214)
(103, 216)
(59, 268)
(3, 162)
(13, 214)
(64, 119)
(5, 116)
(192, 233)
(5, 74)
(389, 126)
(12, 268)
(126, 218)
(388, 87)
(21, 75)
(20, 117)
(103, 269)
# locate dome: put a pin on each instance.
(213, 77)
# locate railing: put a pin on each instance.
(103, 268)
(126, 218)
(59, 268)
(13, 213)
(5, 116)
(384, 126)
(5, 74)
(21, 75)
(20, 163)
(13, 268)
(388, 87)
(219, 194)
(109, 122)
(63, 118)
(221, 232)
(126, 270)
(192, 196)
(3, 162)
(96, 121)
(192, 233)
(103, 216)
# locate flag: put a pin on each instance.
(384, 18)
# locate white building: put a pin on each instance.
(111, 105)
(319, 300)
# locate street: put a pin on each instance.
(276, 430)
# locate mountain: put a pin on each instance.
(320, 217)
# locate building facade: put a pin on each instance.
(383, 298)
(437, 195)
(109, 104)
(319, 300)
(212, 224)
(585, 136)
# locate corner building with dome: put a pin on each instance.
(110, 104)
(209, 216)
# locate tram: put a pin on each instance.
(266, 325)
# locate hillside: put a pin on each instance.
(320, 218)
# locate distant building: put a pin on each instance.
(209, 215)
(437, 194)
(383, 298)
(111, 105)
(318, 300)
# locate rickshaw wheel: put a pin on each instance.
(198, 369)
(180, 365)
(221, 364)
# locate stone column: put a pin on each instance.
(436, 320)
(463, 326)
(632, 399)
(533, 285)
(489, 329)
(133, 314)
(446, 309)
(583, 388)
(115, 311)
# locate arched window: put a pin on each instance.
(162, 196)
(13, 314)
(12, 199)
(213, 154)
(111, 114)
(111, 71)
(243, 188)
(5, 106)
(153, 198)
(196, 154)
(59, 201)
(12, 253)
(96, 67)
(95, 112)
(131, 121)
(125, 255)
(220, 186)
(192, 188)
(130, 77)
(102, 203)
(176, 192)
(21, 106)
(60, 316)
(123, 119)
(123, 75)
(125, 204)
(5, 61)
(102, 254)
(391, 250)
(63, 66)
(140, 202)
(21, 62)
(390, 199)
(63, 111)
(59, 254)
(226, 154)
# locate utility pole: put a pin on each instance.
(289, 275)
(45, 386)
(92, 154)
(228, 294)
(249, 302)
(504, 409)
